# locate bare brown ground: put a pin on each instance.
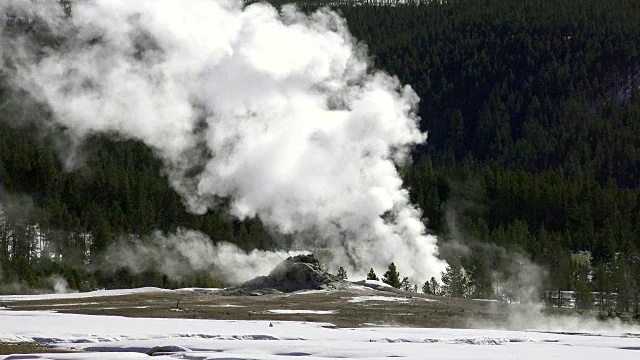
(27, 348)
(405, 309)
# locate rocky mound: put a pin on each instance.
(302, 272)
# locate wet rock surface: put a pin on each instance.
(301, 272)
(166, 350)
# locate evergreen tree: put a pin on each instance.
(480, 279)
(372, 275)
(454, 281)
(583, 295)
(392, 276)
(342, 274)
(426, 288)
(602, 285)
(435, 286)
(431, 287)
(406, 285)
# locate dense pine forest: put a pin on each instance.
(532, 109)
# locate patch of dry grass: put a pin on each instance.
(415, 310)
(7, 348)
(418, 310)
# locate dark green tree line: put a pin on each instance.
(533, 114)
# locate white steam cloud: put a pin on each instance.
(187, 251)
(276, 111)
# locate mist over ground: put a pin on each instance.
(187, 252)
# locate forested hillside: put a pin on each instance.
(533, 114)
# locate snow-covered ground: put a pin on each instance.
(379, 298)
(89, 294)
(294, 311)
(111, 337)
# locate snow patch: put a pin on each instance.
(292, 311)
(200, 290)
(58, 305)
(309, 292)
(481, 341)
(81, 295)
(373, 284)
(358, 299)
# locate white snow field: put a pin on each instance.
(111, 337)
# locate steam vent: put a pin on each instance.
(301, 272)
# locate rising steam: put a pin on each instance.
(276, 111)
(187, 251)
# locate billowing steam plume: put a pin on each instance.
(187, 251)
(276, 111)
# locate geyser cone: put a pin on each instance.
(301, 272)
